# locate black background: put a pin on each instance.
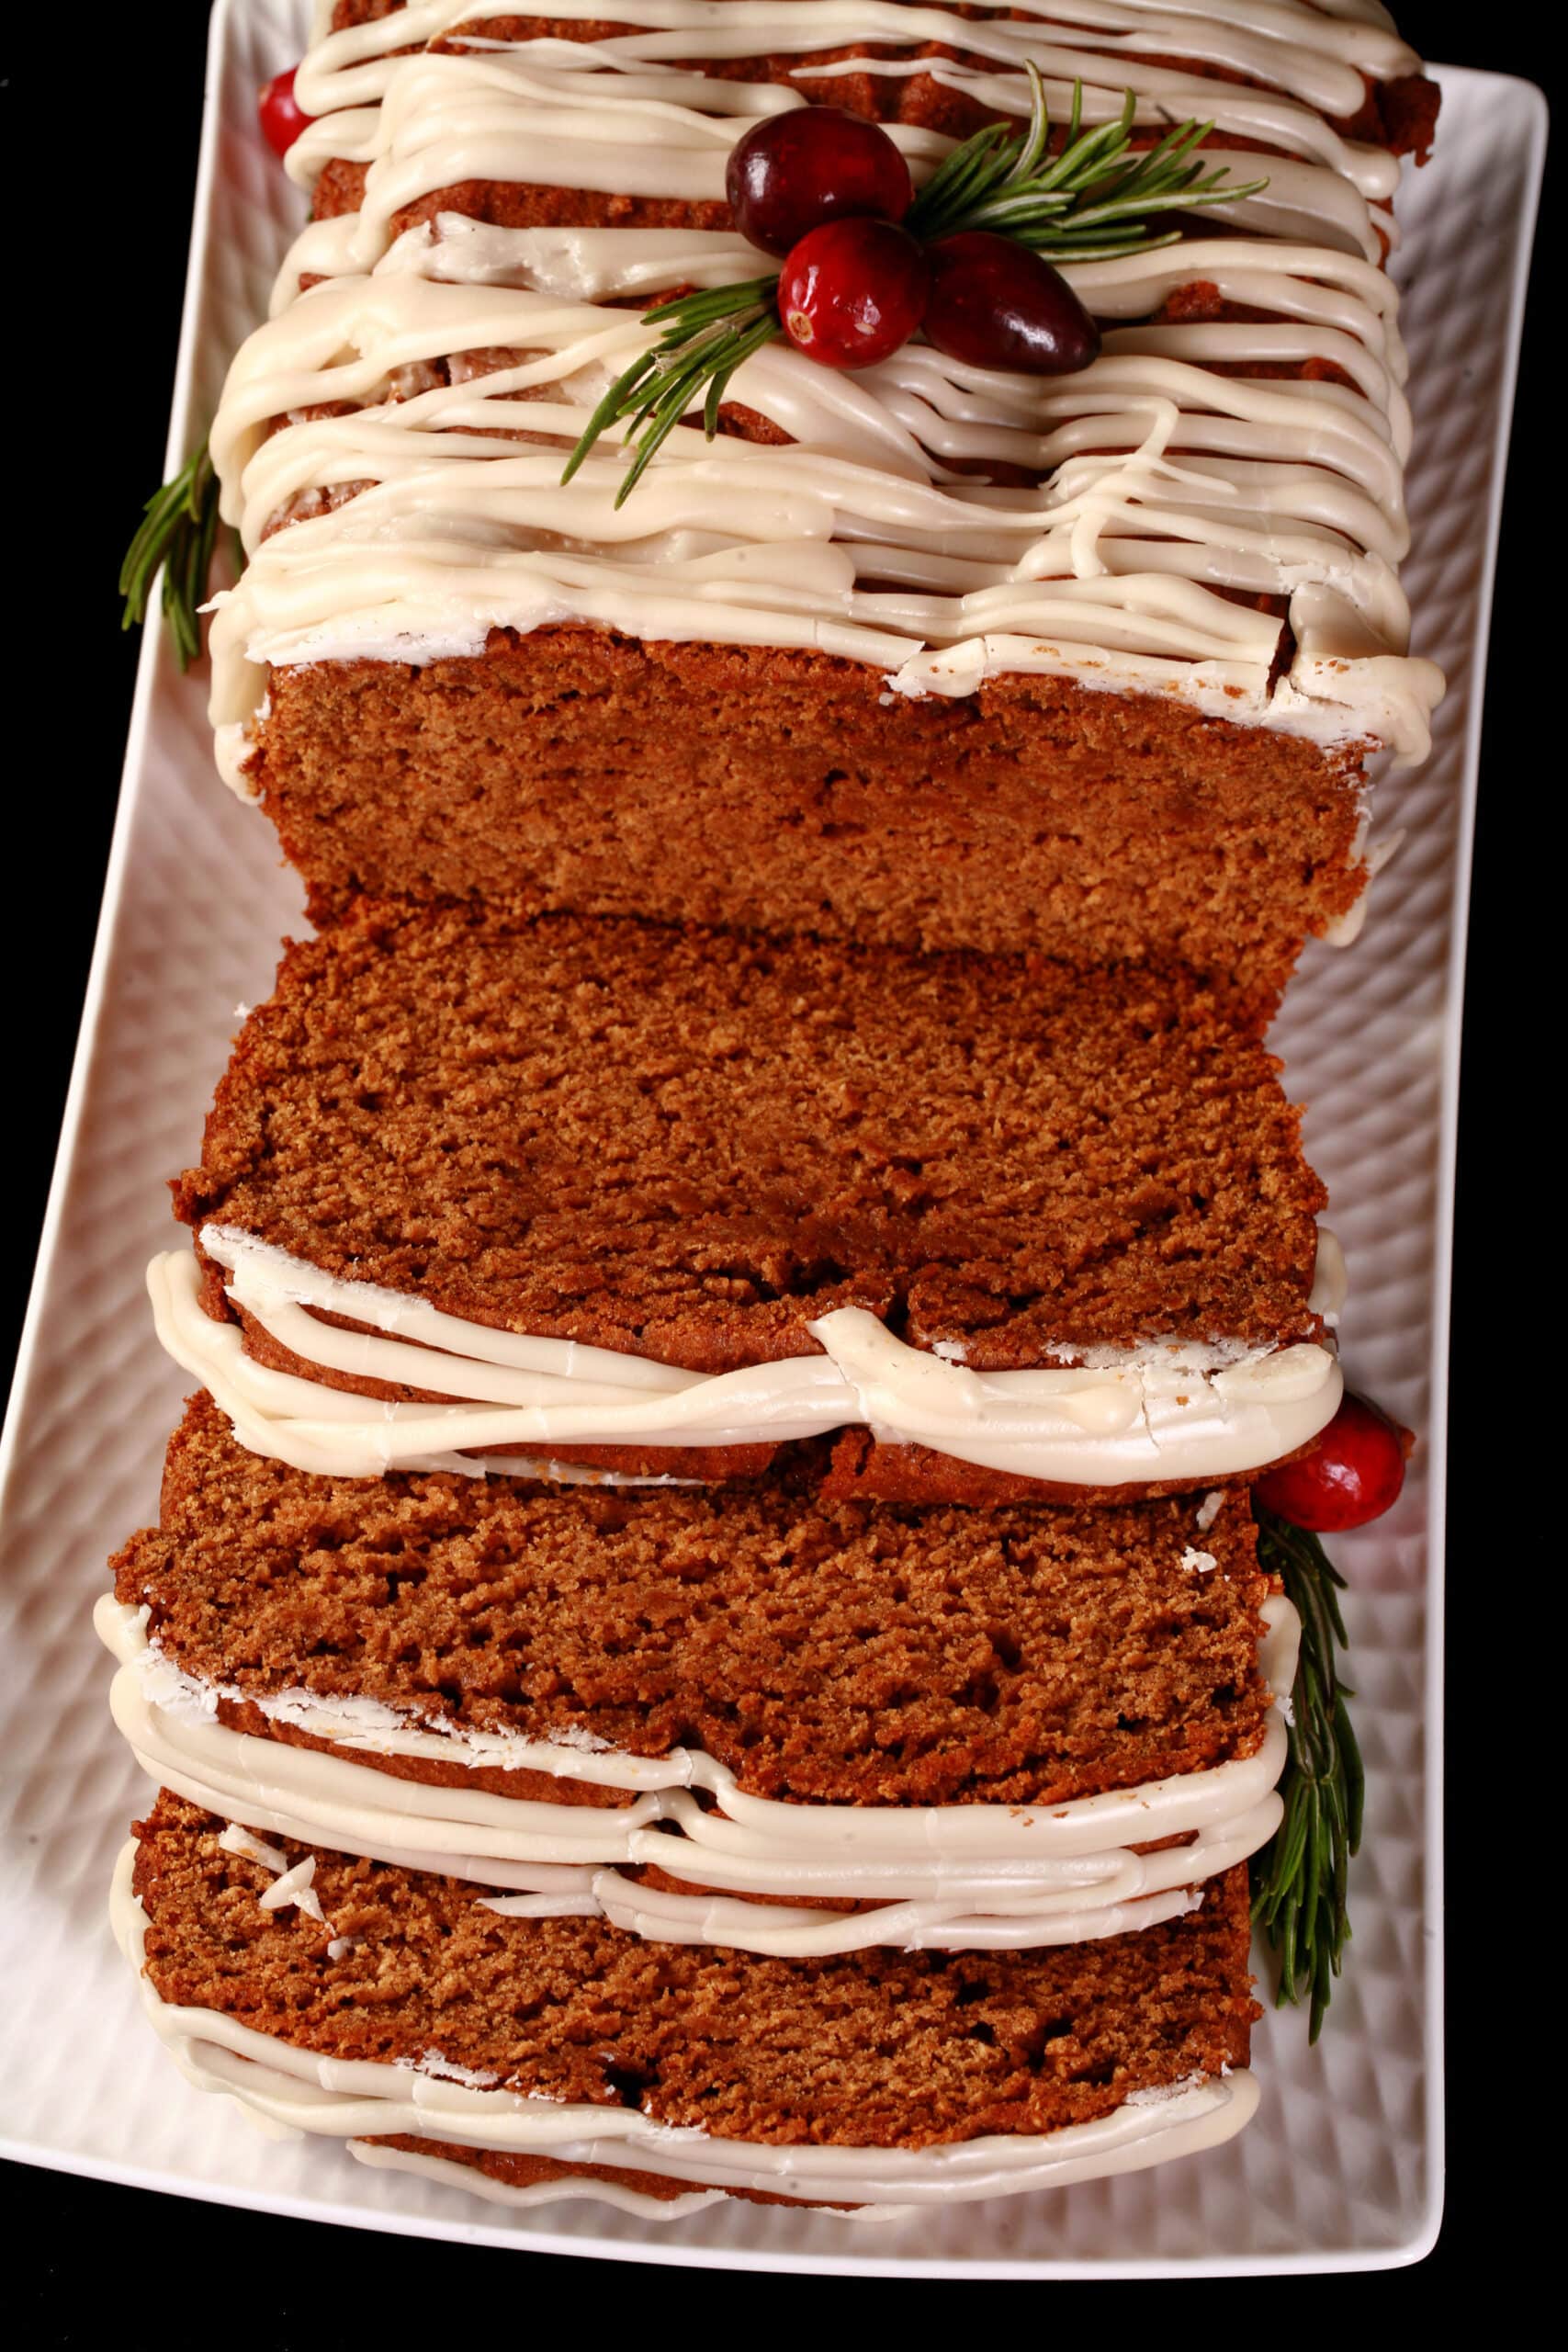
(102, 118)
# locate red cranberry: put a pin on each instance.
(792, 172)
(851, 292)
(996, 304)
(281, 118)
(1353, 1474)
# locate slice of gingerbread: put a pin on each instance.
(483, 1187)
(413, 2016)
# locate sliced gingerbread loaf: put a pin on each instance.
(828, 1651)
(674, 1198)
(369, 2003)
(1053, 1723)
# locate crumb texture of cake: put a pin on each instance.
(755, 1716)
(781, 791)
(933, 655)
(847, 1654)
(408, 1979)
(686, 1146)
(538, 1187)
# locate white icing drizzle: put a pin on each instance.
(1116, 1417)
(236, 1839)
(451, 2175)
(294, 1888)
(292, 2091)
(1166, 483)
(1330, 1278)
(978, 1876)
(441, 2068)
(1310, 58)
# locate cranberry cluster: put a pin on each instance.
(828, 191)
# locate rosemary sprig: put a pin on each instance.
(1299, 1879)
(1092, 203)
(178, 532)
(706, 336)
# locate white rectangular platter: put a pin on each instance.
(1343, 2167)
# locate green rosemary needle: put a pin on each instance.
(178, 532)
(1093, 202)
(706, 336)
(1299, 1879)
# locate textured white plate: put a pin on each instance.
(1343, 2167)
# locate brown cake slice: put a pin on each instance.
(1179, 772)
(1055, 1722)
(397, 2008)
(665, 1200)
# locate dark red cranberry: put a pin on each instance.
(281, 118)
(994, 304)
(1352, 1474)
(792, 172)
(853, 292)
